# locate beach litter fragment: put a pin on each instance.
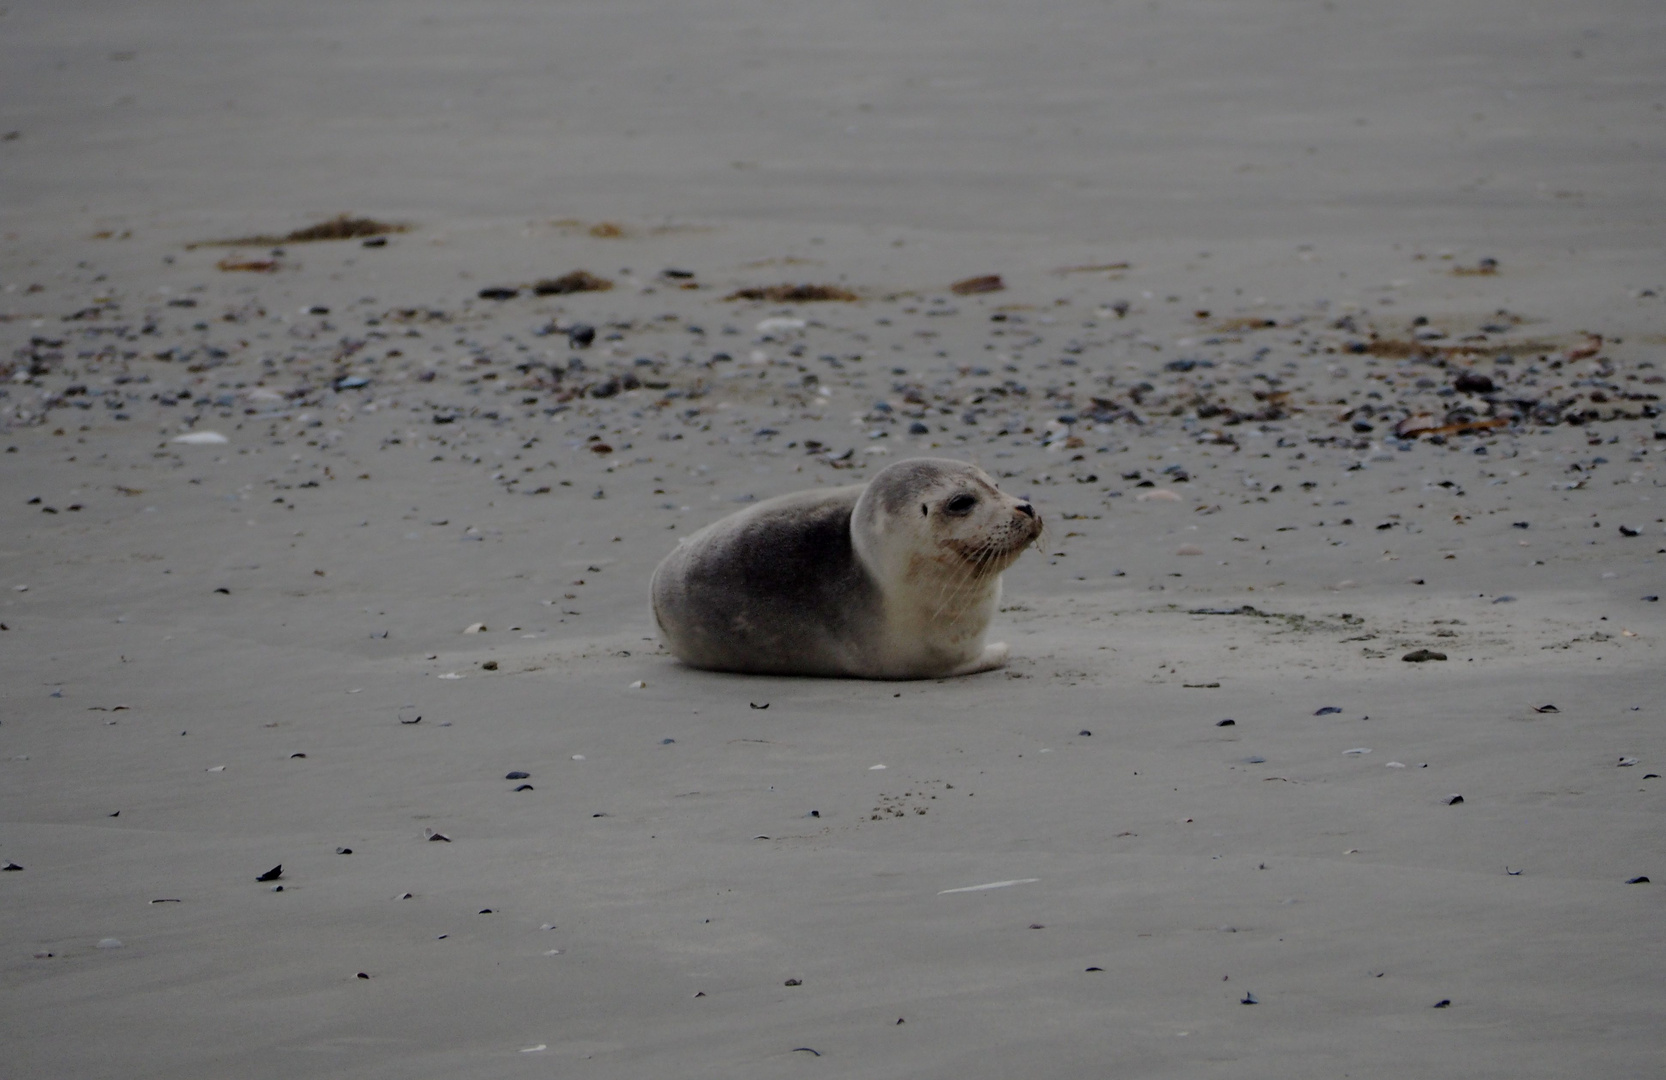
(990, 885)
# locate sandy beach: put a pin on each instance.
(358, 364)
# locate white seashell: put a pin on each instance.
(872, 768)
(201, 438)
(578, 757)
(109, 943)
(216, 768)
(474, 628)
(1157, 495)
(769, 326)
(452, 675)
(1393, 765)
(637, 685)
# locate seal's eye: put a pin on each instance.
(961, 504)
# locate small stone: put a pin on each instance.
(517, 774)
(1640, 879)
(1226, 723)
(1418, 656)
(11, 866)
(793, 982)
(1453, 800)
(1328, 710)
(273, 874)
(1443, 1003)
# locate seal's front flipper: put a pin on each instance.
(994, 656)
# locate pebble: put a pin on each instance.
(1418, 656)
(517, 774)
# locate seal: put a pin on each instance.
(893, 579)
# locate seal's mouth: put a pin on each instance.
(1001, 548)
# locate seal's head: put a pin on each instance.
(942, 526)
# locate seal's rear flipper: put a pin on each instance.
(994, 656)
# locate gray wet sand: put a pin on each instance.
(1327, 336)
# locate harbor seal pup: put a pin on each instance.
(893, 579)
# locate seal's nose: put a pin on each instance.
(1026, 509)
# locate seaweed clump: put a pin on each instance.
(794, 294)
